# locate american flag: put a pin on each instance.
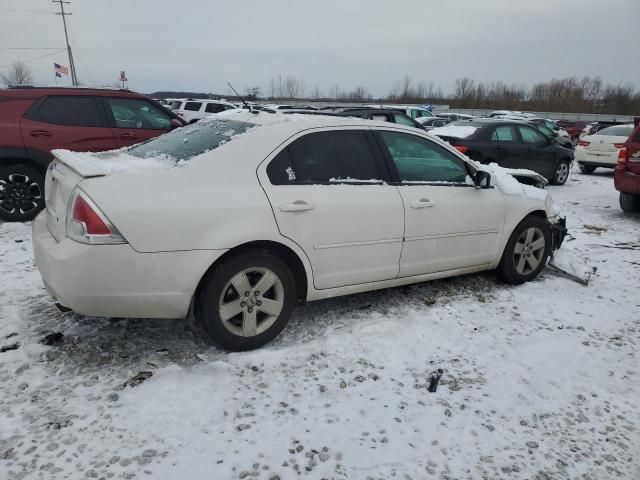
(60, 70)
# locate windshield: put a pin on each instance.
(545, 130)
(617, 131)
(187, 142)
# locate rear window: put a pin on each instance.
(192, 106)
(187, 142)
(617, 131)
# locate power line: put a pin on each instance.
(15, 10)
(36, 58)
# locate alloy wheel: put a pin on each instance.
(19, 194)
(529, 250)
(562, 172)
(251, 302)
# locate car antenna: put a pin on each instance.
(243, 100)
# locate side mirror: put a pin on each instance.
(175, 123)
(482, 179)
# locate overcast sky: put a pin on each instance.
(199, 45)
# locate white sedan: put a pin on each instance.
(239, 218)
(602, 148)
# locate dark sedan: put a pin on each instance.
(510, 144)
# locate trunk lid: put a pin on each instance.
(603, 143)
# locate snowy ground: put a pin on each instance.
(540, 381)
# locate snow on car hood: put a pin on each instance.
(454, 131)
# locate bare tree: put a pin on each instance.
(252, 93)
(19, 74)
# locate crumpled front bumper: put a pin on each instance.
(558, 227)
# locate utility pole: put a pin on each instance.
(63, 14)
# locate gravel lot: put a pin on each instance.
(540, 381)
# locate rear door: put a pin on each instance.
(71, 122)
(540, 155)
(506, 148)
(135, 120)
(328, 193)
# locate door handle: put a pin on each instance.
(40, 133)
(297, 206)
(128, 135)
(422, 203)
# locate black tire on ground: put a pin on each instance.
(207, 302)
(507, 269)
(629, 203)
(21, 192)
(561, 173)
(586, 168)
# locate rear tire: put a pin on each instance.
(587, 169)
(527, 251)
(561, 174)
(629, 203)
(246, 301)
(21, 192)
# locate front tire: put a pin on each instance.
(21, 192)
(527, 251)
(245, 302)
(587, 169)
(561, 173)
(629, 203)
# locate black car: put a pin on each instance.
(380, 114)
(510, 144)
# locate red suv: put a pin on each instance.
(34, 121)
(627, 173)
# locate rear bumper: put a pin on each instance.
(558, 227)
(604, 159)
(115, 280)
(625, 181)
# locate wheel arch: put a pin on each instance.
(282, 251)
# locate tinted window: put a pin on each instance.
(504, 134)
(420, 160)
(636, 137)
(192, 106)
(529, 135)
(403, 120)
(134, 113)
(325, 157)
(214, 108)
(187, 142)
(76, 111)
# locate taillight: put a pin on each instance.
(623, 155)
(618, 145)
(584, 143)
(461, 148)
(87, 224)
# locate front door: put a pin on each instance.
(539, 152)
(135, 120)
(449, 224)
(328, 195)
(507, 150)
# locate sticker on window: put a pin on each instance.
(291, 174)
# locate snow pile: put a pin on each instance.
(454, 131)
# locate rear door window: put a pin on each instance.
(325, 157)
(504, 134)
(73, 111)
(215, 108)
(192, 106)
